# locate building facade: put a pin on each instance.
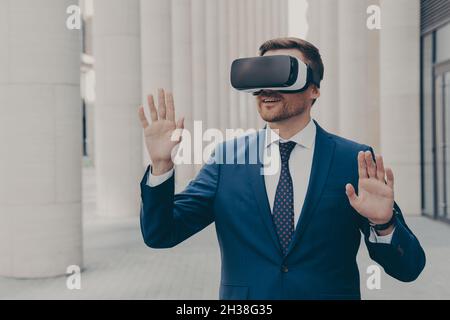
(435, 108)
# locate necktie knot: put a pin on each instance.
(286, 149)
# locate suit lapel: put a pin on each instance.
(322, 159)
(259, 188)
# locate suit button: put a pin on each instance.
(284, 269)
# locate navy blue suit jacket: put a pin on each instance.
(321, 260)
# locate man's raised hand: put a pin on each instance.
(160, 135)
(375, 198)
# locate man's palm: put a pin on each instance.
(375, 199)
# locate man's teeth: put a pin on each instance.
(271, 100)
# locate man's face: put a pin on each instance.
(274, 106)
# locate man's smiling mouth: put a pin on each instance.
(271, 100)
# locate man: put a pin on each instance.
(294, 234)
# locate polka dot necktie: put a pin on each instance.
(283, 207)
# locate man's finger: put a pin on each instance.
(180, 123)
(177, 134)
(380, 168)
(351, 194)
(362, 169)
(142, 117)
(371, 168)
(170, 113)
(152, 108)
(390, 178)
(161, 104)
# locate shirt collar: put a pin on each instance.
(304, 137)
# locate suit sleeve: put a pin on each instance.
(168, 218)
(404, 258)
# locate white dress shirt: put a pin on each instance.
(300, 163)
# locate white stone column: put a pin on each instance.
(182, 76)
(275, 13)
(199, 65)
(314, 18)
(90, 132)
(212, 66)
(233, 54)
(268, 29)
(284, 17)
(261, 37)
(242, 47)
(357, 118)
(224, 65)
(198, 11)
(297, 18)
(40, 137)
(116, 30)
(328, 44)
(267, 14)
(87, 89)
(373, 82)
(252, 51)
(399, 108)
(156, 51)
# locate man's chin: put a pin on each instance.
(273, 117)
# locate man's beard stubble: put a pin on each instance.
(285, 113)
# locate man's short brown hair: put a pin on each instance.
(309, 51)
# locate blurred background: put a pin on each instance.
(72, 152)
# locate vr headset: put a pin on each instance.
(282, 73)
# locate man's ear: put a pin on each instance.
(314, 92)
